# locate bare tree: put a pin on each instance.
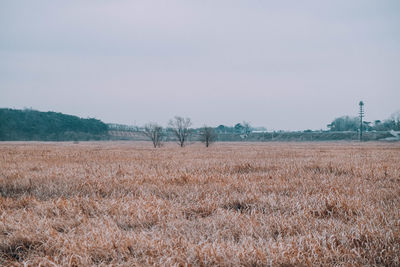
(154, 132)
(207, 135)
(181, 128)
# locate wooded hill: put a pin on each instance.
(33, 125)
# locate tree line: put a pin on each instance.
(180, 128)
(28, 124)
(347, 123)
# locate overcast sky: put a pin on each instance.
(289, 65)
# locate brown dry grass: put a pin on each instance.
(232, 204)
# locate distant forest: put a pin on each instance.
(27, 125)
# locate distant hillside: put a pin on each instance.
(32, 125)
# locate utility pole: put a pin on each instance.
(361, 113)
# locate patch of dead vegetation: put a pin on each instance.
(255, 204)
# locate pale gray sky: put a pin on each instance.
(288, 65)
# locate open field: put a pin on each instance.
(250, 204)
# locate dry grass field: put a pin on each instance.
(233, 204)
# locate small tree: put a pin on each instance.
(344, 123)
(395, 117)
(243, 129)
(154, 132)
(207, 135)
(238, 128)
(181, 128)
(246, 128)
